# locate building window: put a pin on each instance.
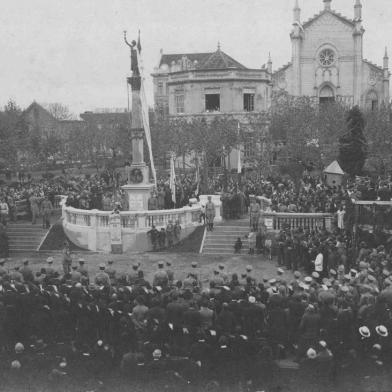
(249, 102)
(179, 103)
(212, 102)
(327, 57)
(160, 88)
(249, 147)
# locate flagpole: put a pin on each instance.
(239, 164)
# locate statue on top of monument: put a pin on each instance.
(135, 48)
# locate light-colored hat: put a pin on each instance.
(364, 331)
(382, 331)
(315, 275)
(308, 279)
(280, 271)
(157, 353)
(252, 299)
(19, 348)
(15, 364)
(249, 268)
(102, 266)
(323, 343)
(311, 353)
(49, 260)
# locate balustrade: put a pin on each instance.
(277, 220)
(131, 219)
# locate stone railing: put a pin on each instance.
(92, 229)
(277, 220)
(130, 219)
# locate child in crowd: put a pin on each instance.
(238, 245)
(162, 238)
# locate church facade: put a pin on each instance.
(327, 61)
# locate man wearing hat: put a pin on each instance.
(15, 275)
(195, 272)
(249, 273)
(160, 276)
(75, 275)
(26, 272)
(133, 274)
(217, 279)
(50, 271)
(222, 273)
(169, 271)
(83, 270)
(254, 211)
(111, 271)
(102, 278)
(46, 211)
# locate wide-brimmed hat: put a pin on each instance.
(364, 331)
(382, 331)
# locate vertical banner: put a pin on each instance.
(172, 178)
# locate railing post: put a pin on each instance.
(92, 232)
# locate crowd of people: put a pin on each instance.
(334, 308)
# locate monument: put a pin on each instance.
(138, 187)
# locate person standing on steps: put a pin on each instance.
(254, 210)
(210, 214)
(47, 209)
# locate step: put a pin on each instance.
(219, 232)
(218, 253)
(24, 241)
(222, 250)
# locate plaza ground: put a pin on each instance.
(181, 263)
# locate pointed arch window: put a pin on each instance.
(326, 94)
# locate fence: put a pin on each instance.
(278, 220)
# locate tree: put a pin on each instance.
(352, 145)
(378, 129)
(309, 131)
(59, 111)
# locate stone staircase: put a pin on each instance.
(221, 240)
(25, 237)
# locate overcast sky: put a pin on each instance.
(72, 51)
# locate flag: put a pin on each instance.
(172, 182)
(197, 180)
(239, 164)
(145, 113)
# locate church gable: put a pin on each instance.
(327, 22)
(329, 18)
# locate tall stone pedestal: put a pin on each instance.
(138, 195)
